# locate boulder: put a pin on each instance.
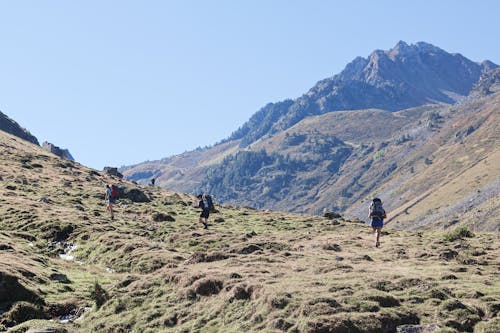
(134, 194)
(63, 278)
(448, 254)
(160, 217)
(332, 215)
(113, 172)
(250, 249)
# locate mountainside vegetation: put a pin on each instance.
(66, 267)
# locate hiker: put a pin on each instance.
(111, 196)
(152, 182)
(205, 210)
(377, 216)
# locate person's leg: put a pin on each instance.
(203, 220)
(377, 236)
(111, 211)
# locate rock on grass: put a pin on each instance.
(160, 217)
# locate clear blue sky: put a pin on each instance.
(121, 82)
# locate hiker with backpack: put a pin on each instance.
(111, 196)
(206, 204)
(377, 215)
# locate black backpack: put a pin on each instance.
(376, 209)
(210, 203)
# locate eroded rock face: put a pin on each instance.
(63, 153)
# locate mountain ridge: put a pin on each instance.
(402, 77)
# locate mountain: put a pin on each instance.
(380, 127)
(400, 78)
(10, 126)
(66, 267)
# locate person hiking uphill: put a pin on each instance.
(205, 210)
(111, 196)
(377, 216)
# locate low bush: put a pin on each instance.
(459, 233)
(98, 294)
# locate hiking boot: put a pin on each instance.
(112, 217)
(377, 244)
(205, 226)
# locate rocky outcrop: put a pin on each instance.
(62, 153)
(113, 172)
(134, 194)
(488, 83)
(10, 126)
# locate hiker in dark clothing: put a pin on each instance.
(152, 182)
(377, 215)
(205, 210)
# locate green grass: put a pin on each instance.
(459, 233)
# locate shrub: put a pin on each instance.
(99, 294)
(459, 233)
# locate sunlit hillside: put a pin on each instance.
(65, 266)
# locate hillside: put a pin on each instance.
(66, 267)
(341, 143)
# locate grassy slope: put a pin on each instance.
(461, 183)
(255, 271)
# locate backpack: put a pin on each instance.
(210, 203)
(376, 209)
(114, 192)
